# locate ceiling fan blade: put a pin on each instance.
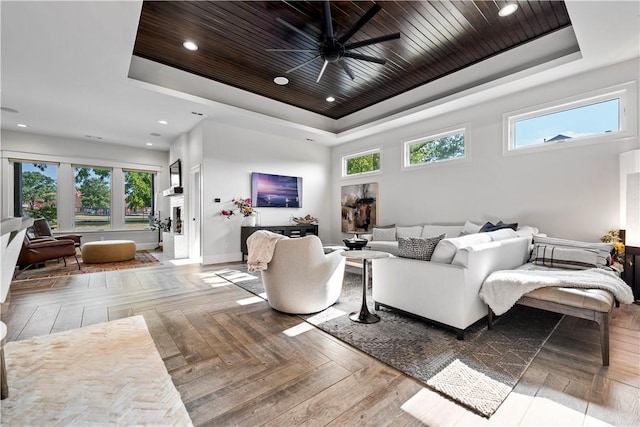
(363, 20)
(365, 57)
(291, 50)
(327, 24)
(372, 41)
(303, 64)
(297, 30)
(347, 70)
(324, 67)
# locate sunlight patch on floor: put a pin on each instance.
(326, 315)
(185, 261)
(216, 282)
(298, 329)
(252, 300)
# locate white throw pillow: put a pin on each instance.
(447, 248)
(526, 231)
(384, 234)
(431, 230)
(414, 231)
(470, 228)
(502, 234)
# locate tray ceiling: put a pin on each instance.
(437, 39)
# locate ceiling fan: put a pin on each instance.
(334, 49)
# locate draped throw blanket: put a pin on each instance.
(260, 246)
(503, 288)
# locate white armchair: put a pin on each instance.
(300, 278)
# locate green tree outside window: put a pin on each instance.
(448, 147)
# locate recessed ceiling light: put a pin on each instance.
(155, 134)
(149, 144)
(190, 45)
(9, 110)
(21, 125)
(508, 9)
(163, 122)
(330, 99)
(281, 81)
(195, 113)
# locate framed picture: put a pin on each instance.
(359, 205)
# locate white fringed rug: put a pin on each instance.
(104, 374)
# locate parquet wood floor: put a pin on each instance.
(235, 361)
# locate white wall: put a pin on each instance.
(571, 192)
(28, 146)
(230, 155)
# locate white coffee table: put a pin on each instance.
(364, 315)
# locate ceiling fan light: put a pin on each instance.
(330, 99)
(508, 9)
(190, 45)
(281, 81)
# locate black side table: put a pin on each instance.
(631, 274)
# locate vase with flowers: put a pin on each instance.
(617, 254)
(243, 208)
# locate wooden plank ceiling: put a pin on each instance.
(437, 38)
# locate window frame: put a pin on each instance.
(621, 92)
(406, 148)
(74, 167)
(347, 157)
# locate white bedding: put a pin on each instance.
(503, 288)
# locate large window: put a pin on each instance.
(36, 191)
(595, 117)
(138, 191)
(445, 146)
(361, 163)
(92, 198)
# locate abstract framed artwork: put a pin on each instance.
(359, 206)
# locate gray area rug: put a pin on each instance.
(478, 372)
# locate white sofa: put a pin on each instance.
(445, 289)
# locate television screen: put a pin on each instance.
(275, 191)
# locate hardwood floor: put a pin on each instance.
(236, 361)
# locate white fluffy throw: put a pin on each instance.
(261, 246)
(502, 289)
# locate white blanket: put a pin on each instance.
(502, 289)
(260, 246)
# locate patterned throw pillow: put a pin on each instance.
(603, 249)
(418, 247)
(384, 234)
(559, 257)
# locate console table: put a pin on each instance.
(287, 230)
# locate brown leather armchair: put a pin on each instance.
(41, 229)
(40, 250)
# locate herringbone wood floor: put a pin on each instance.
(237, 362)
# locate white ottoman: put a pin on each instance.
(108, 251)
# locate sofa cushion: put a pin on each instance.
(431, 230)
(413, 231)
(470, 228)
(390, 247)
(603, 249)
(559, 257)
(384, 234)
(447, 248)
(418, 247)
(501, 234)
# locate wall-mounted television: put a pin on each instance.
(275, 191)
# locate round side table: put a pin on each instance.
(364, 315)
